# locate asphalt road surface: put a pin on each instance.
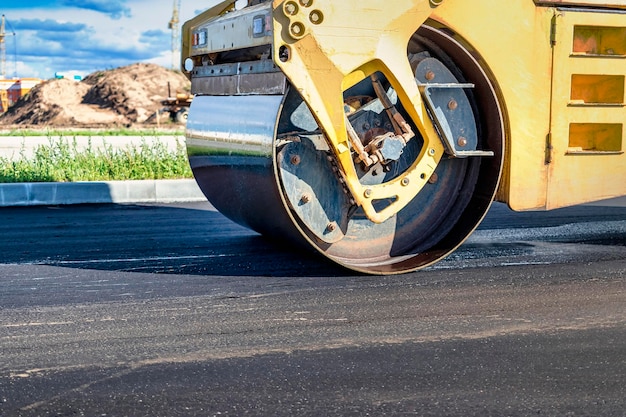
(174, 311)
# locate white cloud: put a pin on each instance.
(120, 35)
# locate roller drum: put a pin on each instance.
(263, 162)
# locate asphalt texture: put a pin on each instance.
(172, 310)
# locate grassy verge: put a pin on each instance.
(62, 161)
(92, 132)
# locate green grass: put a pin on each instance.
(62, 161)
(92, 132)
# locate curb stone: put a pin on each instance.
(127, 192)
(99, 192)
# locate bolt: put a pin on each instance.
(452, 105)
(297, 29)
(368, 193)
(405, 181)
(435, 3)
(291, 8)
(430, 76)
(433, 178)
(295, 160)
(305, 198)
(316, 17)
(462, 141)
(366, 126)
(331, 227)
(431, 152)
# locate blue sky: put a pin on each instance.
(83, 36)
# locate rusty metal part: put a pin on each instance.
(400, 125)
(362, 154)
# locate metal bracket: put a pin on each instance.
(449, 107)
(436, 107)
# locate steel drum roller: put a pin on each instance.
(263, 162)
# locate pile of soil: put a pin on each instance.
(123, 96)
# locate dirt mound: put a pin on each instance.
(119, 97)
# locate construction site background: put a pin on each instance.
(136, 94)
(11, 90)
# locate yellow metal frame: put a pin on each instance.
(588, 127)
(532, 63)
(554, 157)
(512, 42)
(323, 53)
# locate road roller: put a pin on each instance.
(379, 133)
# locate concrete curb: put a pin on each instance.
(116, 192)
(126, 192)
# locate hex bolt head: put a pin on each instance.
(405, 181)
(316, 17)
(290, 8)
(431, 152)
(331, 227)
(296, 29)
(452, 105)
(367, 193)
(295, 160)
(305, 198)
(430, 76)
(462, 141)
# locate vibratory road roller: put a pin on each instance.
(379, 133)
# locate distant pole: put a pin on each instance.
(3, 50)
(174, 25)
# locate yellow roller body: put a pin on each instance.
(562, 150)
(379, 133)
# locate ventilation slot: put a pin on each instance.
(599, 41)
(597, 90)
(592, 138)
